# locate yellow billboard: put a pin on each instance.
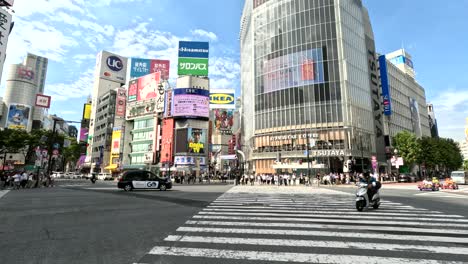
(87, 111)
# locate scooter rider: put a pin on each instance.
(372, 184)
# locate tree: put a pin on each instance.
(465, 165)
(72, 153)
(408, 146)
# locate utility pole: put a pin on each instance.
(362, 152)
(51, 146)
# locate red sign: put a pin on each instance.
(167, 140)
(161, 66)
(148, 86)
(120, 103)
(26, 74)
(43, 100)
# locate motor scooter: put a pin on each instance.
(362, 199)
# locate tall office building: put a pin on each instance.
(310, 87)
(110, 74)
(24, 81)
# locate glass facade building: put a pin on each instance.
(310, 81)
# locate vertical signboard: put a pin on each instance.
(116, 134)
(18, 116)
(132, 90)
(87, 111)
(84, 134)
(193, 58)
(5, 23)
(120, 103)
(167, 140)
(415, 120)
(387, 103)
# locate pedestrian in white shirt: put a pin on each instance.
(294, 179)
(17, 181)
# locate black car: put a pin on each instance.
(138, 179)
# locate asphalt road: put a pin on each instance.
(83, 223)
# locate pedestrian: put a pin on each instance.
(17, 180)
(3, 179)
(24, 179)
(294, 179)
(252, 179)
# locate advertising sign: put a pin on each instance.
(139, 109)
(116, 135)
(193, 66)
(84, 134)
(43, 100)
(5, 23)
(223, 121)
(222, 99)
(112, 67)
(167, 140)
(120, 104)
(139, 67)
(148, 86)
(25, 73)
(162, 66)
(18, 116)
(87, 111)
(415, 120)
(296, 69)
(387, 104)
(190, 102)
(193, 58)
(193, 49)
(197, 140)
(185, 160)
(132, 90)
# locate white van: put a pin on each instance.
(460, 177)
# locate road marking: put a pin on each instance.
(284, 210)
(321, 233)
(444, 195)
(320, 220)
(282, 256)
(327, 226)
(3, 193)
(312, 243)
(319, 209)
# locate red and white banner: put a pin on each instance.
(43, 100)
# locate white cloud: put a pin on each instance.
(26, 8)
(204, 34)
(451, 112)
(224, 72)
(85, 57)
(77, 89)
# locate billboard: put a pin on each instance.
(148, 86)
(415, 120)
(167, 140)
(87, 111)
(112, 67)
(84, 134)
(193, 66)
(18, 116)
(132, 90)
(142, 67)
(5, 23)
(43, 100)
(25, 73)
(139, 109)
(292, 70)
(190, 102)
(120, 104)
(197, 140)
(116, 135)
(223, 121)
(181, 141)
(387, 103)
(193, 58)
(222, 99)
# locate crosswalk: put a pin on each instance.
(461, 194)
(312, 228)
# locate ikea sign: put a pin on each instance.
(222, 99)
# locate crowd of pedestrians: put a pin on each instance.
(22, 180)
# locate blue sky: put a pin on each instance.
(71, 32)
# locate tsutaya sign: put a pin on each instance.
(296, 136)
(329, 153)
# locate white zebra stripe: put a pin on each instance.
(253, 218)
(324, 244)
(337, 216)
(267, 209)
(322, 233)
(283, 256)
(327, 226)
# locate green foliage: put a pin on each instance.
(408, 147)
(433, 152)
(465, 165)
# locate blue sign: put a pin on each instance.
(194, 91)
(387, 102)
(192, 49)
(114, 63)
(139, 68)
